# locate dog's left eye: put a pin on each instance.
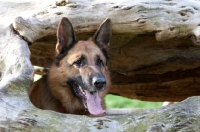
(79, 62)
(99, 62)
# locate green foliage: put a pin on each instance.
(37, 77)
(113, 101)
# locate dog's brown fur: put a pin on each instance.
(74, 60)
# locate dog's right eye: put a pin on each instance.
(79, 62)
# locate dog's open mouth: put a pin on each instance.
(91, 101)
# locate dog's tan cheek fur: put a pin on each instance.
(58, 77)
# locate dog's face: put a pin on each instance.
(83, 64)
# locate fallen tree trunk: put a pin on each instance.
(141, 66)
(17, 114)
(154, 52)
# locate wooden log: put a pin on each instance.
(166, 19)
(169, 68)
(151, 44)
(18, 114)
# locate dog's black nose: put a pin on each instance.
(99, 82)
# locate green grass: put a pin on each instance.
(36, 77)
(113, 101)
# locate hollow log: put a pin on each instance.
(154, 55)
(18, 114)
(154, 51)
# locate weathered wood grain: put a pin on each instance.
(152, 58)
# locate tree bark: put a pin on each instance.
(167, 19)
(154, 52)
(18, 114)
(164, 67)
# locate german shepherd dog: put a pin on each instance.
(78, 79)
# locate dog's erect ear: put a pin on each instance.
(65, 36)
(103, 34)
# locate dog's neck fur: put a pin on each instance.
(48, 98)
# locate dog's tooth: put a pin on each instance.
(84, 92)
(80, 89)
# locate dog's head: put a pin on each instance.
(84, 63)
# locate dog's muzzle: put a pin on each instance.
(99, 82)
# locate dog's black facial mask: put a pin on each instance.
(87, 84)
(78, 89)
(90, 99)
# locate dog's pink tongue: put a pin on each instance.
(94, 103)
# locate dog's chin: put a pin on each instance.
(90, 100)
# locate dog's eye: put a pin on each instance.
(78, 62)
(99, 62)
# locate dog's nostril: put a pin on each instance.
(92, 92)
(100, 83)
